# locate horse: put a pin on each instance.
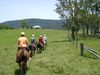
(40, 47)
(32, 48)
(45, 44)
(22, 57)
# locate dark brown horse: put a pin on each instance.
(22, 57)
(32, 48)
(40, 47)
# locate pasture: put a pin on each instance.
(61, 57)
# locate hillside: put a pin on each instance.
(59, 58)
(44, 23)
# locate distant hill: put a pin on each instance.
(44, 23)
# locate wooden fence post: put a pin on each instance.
(81, 49)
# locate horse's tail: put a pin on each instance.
(22, 55)
(26, 54)
(19, 56)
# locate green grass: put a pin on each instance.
(60, 57)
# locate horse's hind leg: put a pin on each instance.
(40, 50)
(19, 64)
(26, 66)
(31, 53)
(34, 51)
(37, 50)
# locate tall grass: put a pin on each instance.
(59, 58)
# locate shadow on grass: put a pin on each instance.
(61, 41)
(91, 57)
(18, 72)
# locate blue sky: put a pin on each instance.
(25, 9)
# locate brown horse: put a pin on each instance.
(32, 48)
(22, 57)
(40, 47)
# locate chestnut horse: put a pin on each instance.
(22, 57)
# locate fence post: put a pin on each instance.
(81, 49)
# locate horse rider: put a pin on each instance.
(40, 41)
(45, 39)
(22, 43)
(33, 44)
(33, 41)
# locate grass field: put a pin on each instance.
(60, 58)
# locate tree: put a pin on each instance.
(68, 9)
(24, 24)
(4, 26)
(81, 13)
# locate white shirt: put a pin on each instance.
(32, 38)
(44, 39)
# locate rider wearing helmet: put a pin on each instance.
(40, 40)
(33, 41)
(22, 43)
(45, 39)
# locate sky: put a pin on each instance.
(26, 9)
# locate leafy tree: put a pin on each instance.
(82, 14)
(24, 24)
(2, 26)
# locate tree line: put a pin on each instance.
(80, 15)
(2, 26)
(23, 24)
